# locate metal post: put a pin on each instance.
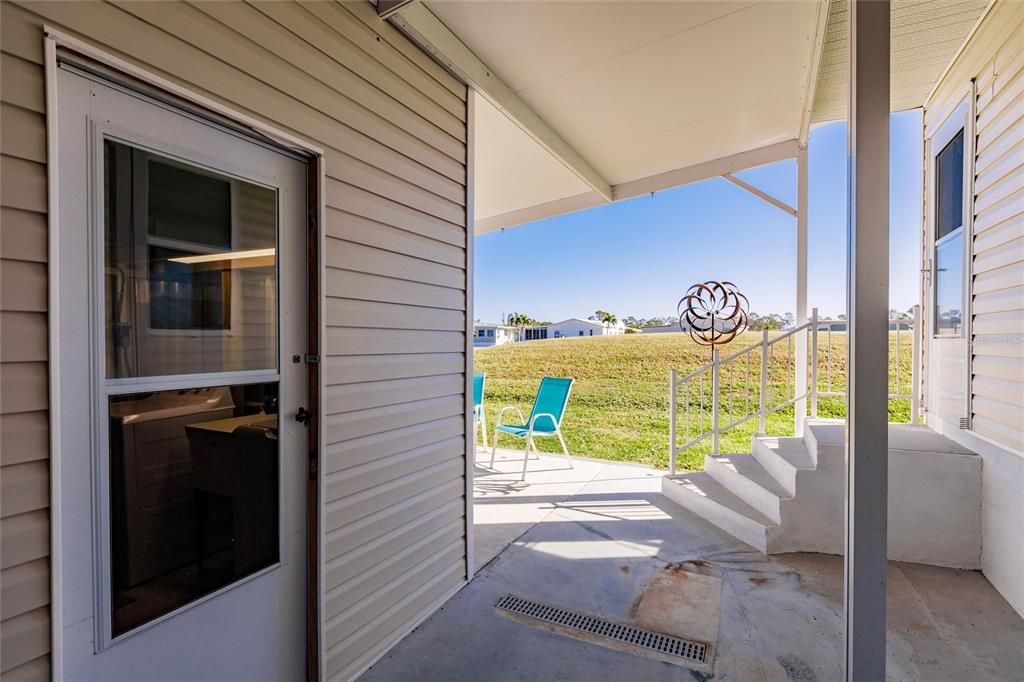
(915, 367)
(714, 400)
(672, 422)
(800, 406)
(762, 407)
(814, 362)
(867, 447)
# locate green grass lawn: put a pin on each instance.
(619, 405)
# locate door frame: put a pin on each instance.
(193, 104)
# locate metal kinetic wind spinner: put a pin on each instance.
(713, 312)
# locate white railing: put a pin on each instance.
(759, 380)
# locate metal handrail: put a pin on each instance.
(765, 404)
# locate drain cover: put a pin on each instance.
(574, 621)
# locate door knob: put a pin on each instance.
(303, 415)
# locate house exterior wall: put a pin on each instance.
(994, 57)
(393, 125)
(571, 328)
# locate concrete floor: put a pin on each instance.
(601, 539)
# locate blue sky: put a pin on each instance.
(637, 257)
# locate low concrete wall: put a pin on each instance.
(1002, 558)
(935, 499)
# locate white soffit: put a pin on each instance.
(926, 35)
(512, 171)
(636, 88)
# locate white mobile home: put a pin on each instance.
(575, 327)
(237, 247)
(487, 335)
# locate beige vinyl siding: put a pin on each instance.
(24, 436)
(997, 381)
(393, 126)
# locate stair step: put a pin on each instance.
(782, 458)
(709, 499)
(747, 478)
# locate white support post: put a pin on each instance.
(762, 408)
(672, 422)
(915, 367)
(867, 447)
(715, 399)
(814, 362)
(800, 406)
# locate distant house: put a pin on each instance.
(662, 329)
(575, 327)
(486, 335)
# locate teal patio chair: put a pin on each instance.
(479, 418)
(545, 418)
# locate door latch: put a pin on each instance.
(303, 416)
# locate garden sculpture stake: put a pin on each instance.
(714, 313)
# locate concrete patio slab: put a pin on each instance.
(601, 539)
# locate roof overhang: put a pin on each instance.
(577, 104)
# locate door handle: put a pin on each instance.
(303, 416)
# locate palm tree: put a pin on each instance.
(604, 317)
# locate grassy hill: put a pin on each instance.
(619, 405)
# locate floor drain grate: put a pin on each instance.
(607, 629)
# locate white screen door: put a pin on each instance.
(180, 326)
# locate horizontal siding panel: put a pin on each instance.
(24, 286)
(1011, 436)
(351, 199)
(1007, 414)
(339, 167)
(998, 150)
(24, 437)
(1008, 231)
(367, 177)
(1010, 322)
(345, 341)
(349, 397)
(333, 38)
(1006, 255)
(348, 284)
(23, 83)
(380, 528)
(1001, 120)
(23, 538)
(343, 369)
(23, 184)
(386, 469)
(356, 313)
(25, 488)
(23, 235)
(36, 670)
(24, 387)
(377, 420)
(372, 261)
(25, 638)
(1003, 278)
(398, 619)
(1000, 189)
(279, 30)
(344, 565)
(23, 134)
(25, 587)
(998, 345)
(999, 167)
(20, 35)
(379, 446)
(351, 621)
(998, 367)
(372, 500)
(367, 15)
(360, 230)
(23, 337)
(1010, 392)
(425, 549)
(1002, 104)
(1009, 207)
(999, 301)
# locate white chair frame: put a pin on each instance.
(530, 435)
(480, 421)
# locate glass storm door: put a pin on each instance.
(948, 242)
(181, 303)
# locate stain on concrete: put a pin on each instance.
(796, 669)
(758, 579)
(624, 569)
(700, 676)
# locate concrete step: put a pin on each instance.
(709, 499)
(747, 478)
(782, 458)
